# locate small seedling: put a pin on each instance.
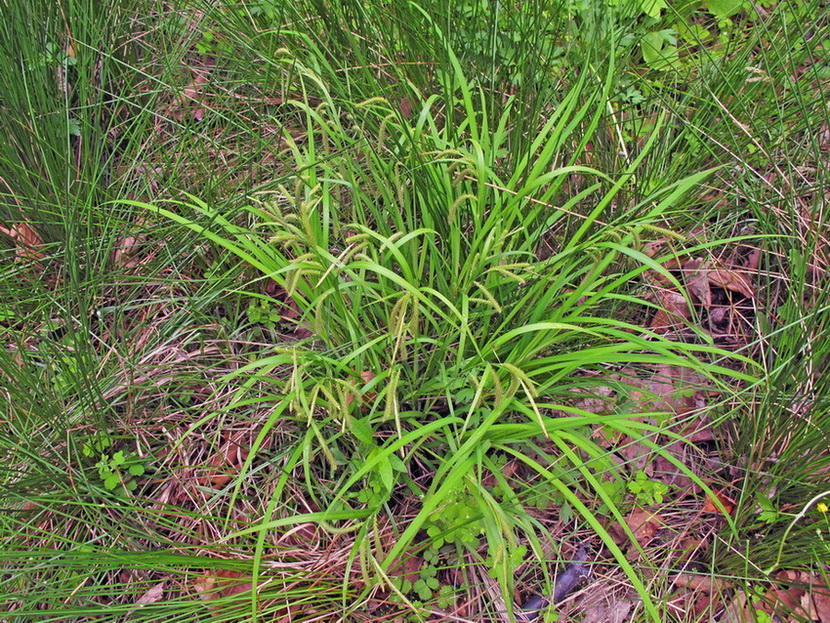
(446, 597)
(381, 480)
(259, 312)
(120, 468)
(458, 522)
(769, 514)
(428, 586)
(427, 582)
(97, 444)
(646, 490)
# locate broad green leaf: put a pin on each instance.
(653, 8)
(659, 50)
(722, 9)
(691, 32)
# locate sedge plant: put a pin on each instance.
(414, 260)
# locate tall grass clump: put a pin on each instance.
(92, 317)
(460, 288)
(321, 310)
(770, 98)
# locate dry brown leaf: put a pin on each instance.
(205, 586)
(719, 319)
(302, 535)
(224, 465)
(406, 107)
(667, 472)
(130, 252)
(192, 93)
(674, 307)
(643, 524)
(236, 588)
(788, 592)
(652, 247)
(153, 595)
(673, 389)
(366, 376)
(603, 602)
(753, 259)
(697, 281)
(608, 613)
(739, 610)
(698, 430)
(734, 280)
(704, 583)
(635, 454)
(702, 593)
(703, 602)
(798, 592)
(122, 251)
(222, 583)
(688, 393)
(289, 310)
(408, 569)
(821, 601)
(711, 507)
(508, 470)
(28, 241)
(689, 546)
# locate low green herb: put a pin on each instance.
(646, 490)
(769, 513)
(260, 312)
(119, 468)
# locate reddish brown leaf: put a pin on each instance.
(132, 251)
(191, 94)
(366, 376)
(703, 603)
(704, 583)
(674, 309)
(667, 472)
(507, 471)
(739, 610)
(406, 107)
(408, 569)
(225, 463)
(711, 507)
(205, 586)
(734, 280)
(643, 524)
(616, 612)
(153, 595)
(719, 319)
(672, 389)
(821, 600)
(798, 591)
(121, 252)
(697, 282)
(218, 583)
(28, 241)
